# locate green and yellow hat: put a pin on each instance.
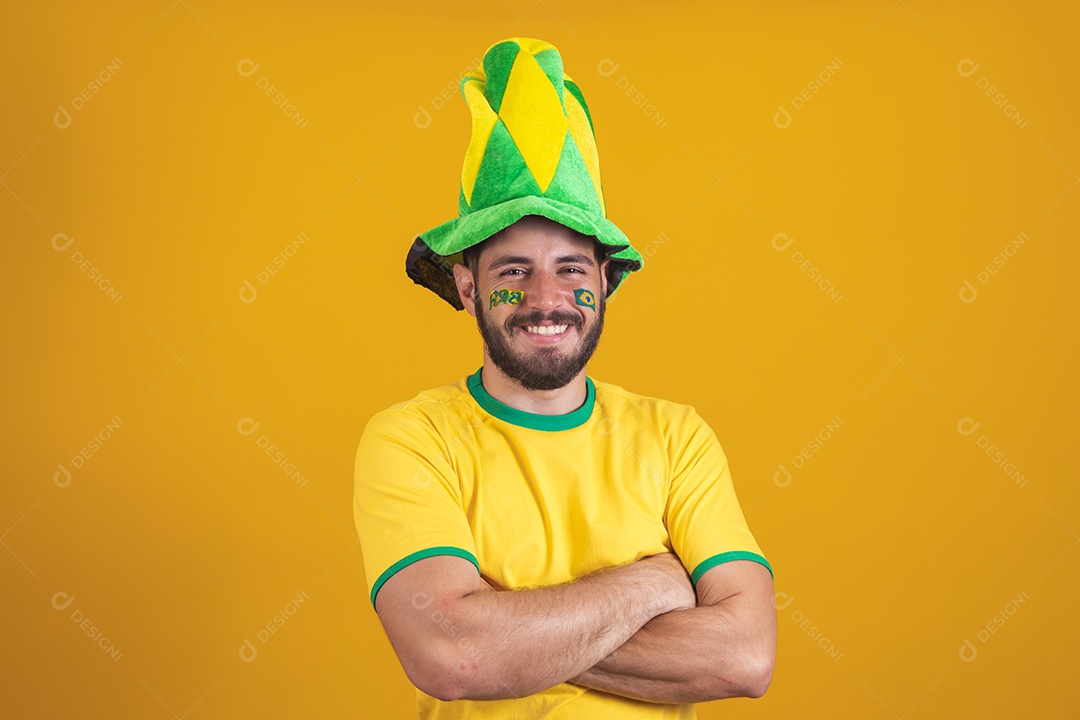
(532, 152)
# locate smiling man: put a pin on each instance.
(538, 543)
(546, 344)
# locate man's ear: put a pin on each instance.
(466, 287)
(604, 275)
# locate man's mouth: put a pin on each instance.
(545, 329)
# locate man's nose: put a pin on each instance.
(544, 292)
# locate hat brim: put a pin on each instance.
(432, 257)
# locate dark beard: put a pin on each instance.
(548, 368)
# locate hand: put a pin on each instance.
(674, 580)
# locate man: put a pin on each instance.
(538, 543)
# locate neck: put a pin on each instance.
(542, 402)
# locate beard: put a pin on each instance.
(545, 368)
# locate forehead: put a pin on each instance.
(537, 237)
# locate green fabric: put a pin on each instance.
(503, 173)
(727, 557)
(409, 560)
(461, 232)
(534, 421)
(572, 183)
(505, 190)
(550, 62)
(497, 65)
(462, 203)
(576, 92)
(629, 254)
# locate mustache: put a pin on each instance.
(535, 317)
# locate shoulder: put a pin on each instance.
(614, 401)
(426, 413)
(429, 399)
(618, 396)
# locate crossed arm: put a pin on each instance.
(637, 630)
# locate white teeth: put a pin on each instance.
(547, 329)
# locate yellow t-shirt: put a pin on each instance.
(537, 500)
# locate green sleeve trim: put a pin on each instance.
(727, 557)
(419, 555)
(535, 421)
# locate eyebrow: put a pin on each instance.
(576, 258)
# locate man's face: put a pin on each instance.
(545, 339)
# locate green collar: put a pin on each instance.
(535, 421)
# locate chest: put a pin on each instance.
(559, 507)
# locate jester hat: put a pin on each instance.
(532, 152)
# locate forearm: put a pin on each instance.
(686, 656)
(516, 643)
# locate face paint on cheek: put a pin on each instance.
(505, 297)
(585, 297)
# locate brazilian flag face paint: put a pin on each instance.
(505, 297)
(585, 297)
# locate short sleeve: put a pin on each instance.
(407, 499)
(704, 518)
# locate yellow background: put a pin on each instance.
(895, 542)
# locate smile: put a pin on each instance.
(545, 329)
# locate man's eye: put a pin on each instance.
(512, 271)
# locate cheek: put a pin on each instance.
(504, 296)
(585, 298)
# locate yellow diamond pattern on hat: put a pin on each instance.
(534, 116)
(531, 152)
(581, 131)
(483, 120)
(532, 45)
